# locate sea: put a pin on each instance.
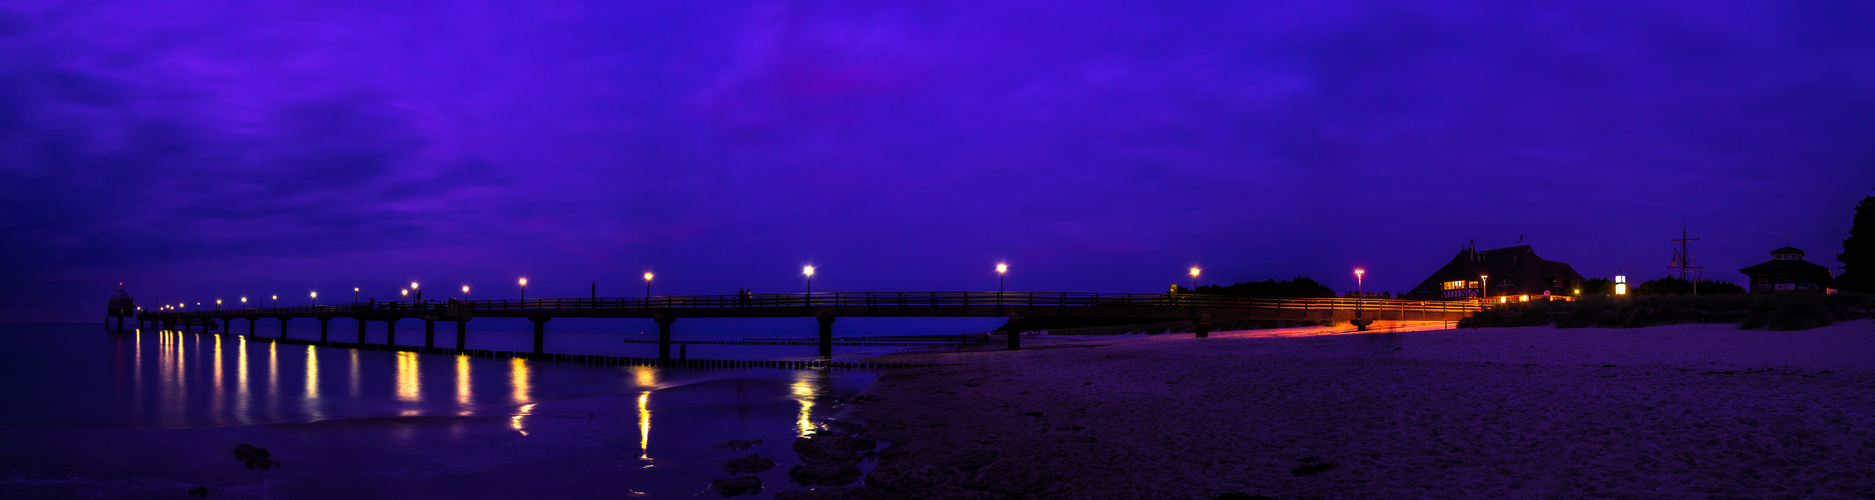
(90, 412)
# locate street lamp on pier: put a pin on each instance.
(413, 288)
(1360, 290)
(647, 286)
(1001, 270)
(524, 289)
(809, 271)
(276, 301)
(354, 295)
(465, 293)
(315, 299)
(218, 304)
(404, 293)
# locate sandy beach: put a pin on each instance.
(1688, 411)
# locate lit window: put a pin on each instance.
(1455, 285)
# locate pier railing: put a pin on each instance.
(868, 299)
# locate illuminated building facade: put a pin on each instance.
(1512, 274)
(1788, 272)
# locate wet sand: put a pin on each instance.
(1689, 411)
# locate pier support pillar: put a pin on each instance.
(429, 333)
(250, 326)
(664, 336)
(227, 325)
(462, 334)
(120, 324)
(540, 333)
(283, 326)
(323, 323)
(361, 330)
(390, 332)
(1015, 332)
(826, 335)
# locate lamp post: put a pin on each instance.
(1484, 287)
(523, 289)
(413, 288)
(276, 301)
(244, 303)
(315, 300)
(1194, 281)
(465, 293)
(1360, 290)
(217, 305)
(354, 295)
(809, 271)
(647, 287)
(404, 294)
(1001, 269)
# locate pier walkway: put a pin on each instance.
(826, 307)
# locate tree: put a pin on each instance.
(1858, 250)
(1598, 286)
(1299, 287)
(1669, 285)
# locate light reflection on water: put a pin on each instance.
(223, 380)
(82, 380)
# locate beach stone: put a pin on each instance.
(1011, 477)
(749, 464)
(905, 476)
(736, 444)
(200, 491)
(739, 485)
(832, 447)
(835, 494)
(825, 473)
(255, 457)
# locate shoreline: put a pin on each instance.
(1670, 411)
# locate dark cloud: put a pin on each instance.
(217, 148)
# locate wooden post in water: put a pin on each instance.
(826, 335)
(664, 336)
(283, 326)
(324, 321)
(540, 333)
(250, 326)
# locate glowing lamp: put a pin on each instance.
(1002, 268)
(523, 281)
(648, 276)
(413, 285)
(809, 270)
(1194, 272)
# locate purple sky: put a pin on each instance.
(208, 149)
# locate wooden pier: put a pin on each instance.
(825, 307)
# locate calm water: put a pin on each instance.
(142, 388)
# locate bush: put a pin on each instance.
(1750, 311)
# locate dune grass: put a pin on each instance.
(1781, 312)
